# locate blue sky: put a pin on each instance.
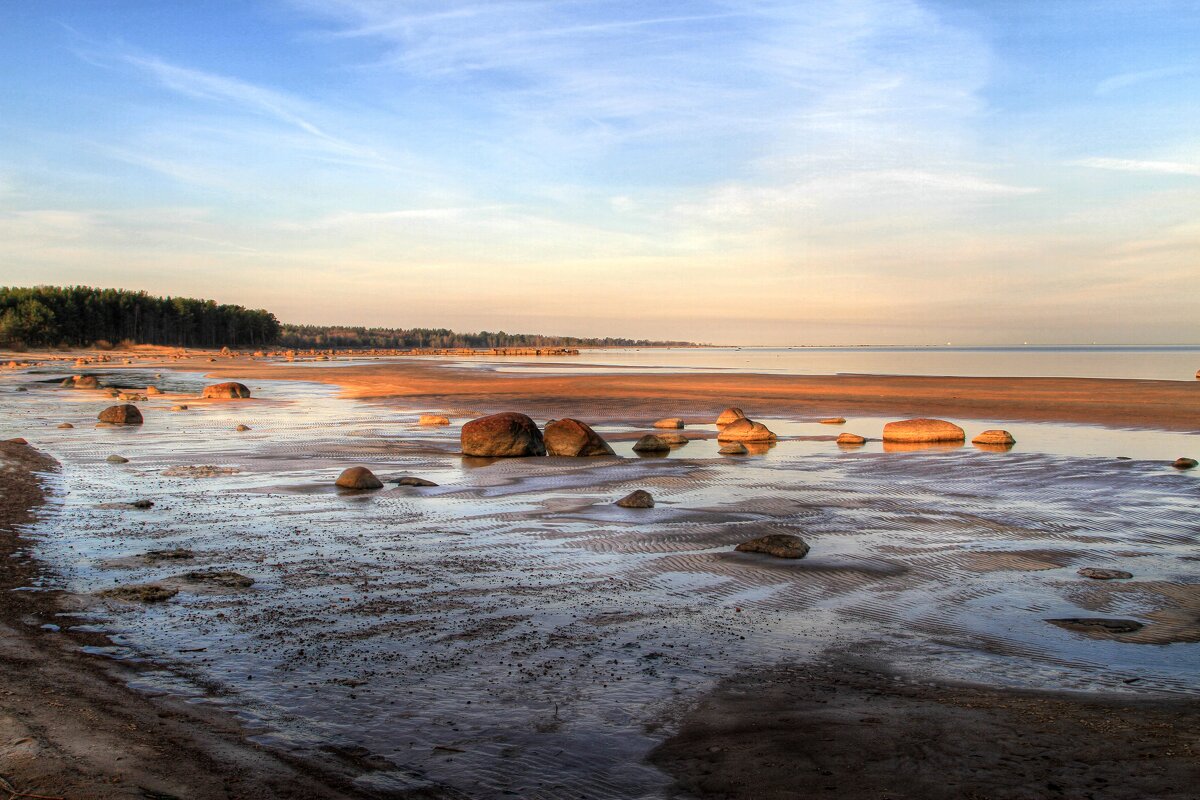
(739, 172)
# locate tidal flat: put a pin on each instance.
(512, 632)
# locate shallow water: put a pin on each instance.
(511, 632)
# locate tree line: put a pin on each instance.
(83, 316)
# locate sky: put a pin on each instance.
(753, 172)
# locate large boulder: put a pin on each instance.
(995, 437)
(922, 431)
(121, 415)
(730, 415)
(226, 391)
(358, 478)
(651, 443)
(780, 545)
(505, 435)
(570, 437)
(745, 430)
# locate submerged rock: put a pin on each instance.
(638, 498)
(141, 593)
(995, 437)
(650, 443)
(121, 415)
(230, 390)
(1102, 574)
(745, 430)
(222, 578)
(1185, 463)
(670, 422)
(408, 480)
(851, 439)
(780, 545)
(570, 437)
(504, 435)
(730, 415)
(433, 419)
(673, 439)
(175, 554)
(116, 459)
(1098, 625)
(923, 430)
(733, 449)
(358, 478)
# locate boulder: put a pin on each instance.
(433, 419)
(730, 415)
(834, 421)
(1184, 463)
(922, 430)
(570, 437)
(358, 478)
(408, 480)
(852, 439)
(650, 443)
(121, 415)
(733, 449)
(504, 435)
(745, 430)
(670, 422)
(1101, 574)
(995, 437)
(780, 545)
(226, 391)
(639, 498)
(673, 439)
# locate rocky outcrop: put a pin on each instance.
(650, 443)
(121, 415)
(730, 415)
(358, 478)
(639, 498)
(505, 435)
(780, 545)
(226, 391)
(745, 430)
(922, 431)
(570, 437)
(995, 437)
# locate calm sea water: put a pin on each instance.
(1171, 363)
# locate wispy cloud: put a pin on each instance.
(1127, 79)
(1139, 165)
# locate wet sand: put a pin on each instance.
(510, 632)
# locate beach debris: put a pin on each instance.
(358, 478)
(833, 421)
(995, 437)
(733, 449)
(570, 437)
(745, 430)
(116, 459)
(242, 428)
(121, 415)
(1097, 625)
(504, 435)
(650, 443)
(141, 593)
(174, 554)
(433, 419)
(639, 498)
(851, 439)
(730, 415)
(669, 422)
(780, 545)
(409, 480)
(923, 430)
(673, 439)
(199, 471)
(230, 390)
(1185, 463)
(1102, 574)
(179, 408)
(65, 426)
(222, 578)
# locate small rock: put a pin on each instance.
(142, 504)
(179, 408)
(997, 436)
(733, 449)
(1097, 624)
(650, 443)
(1101, 574)
(116, 459)
(433, 419)
(637, 499)
(834, 421)
(745, 430)
(242, 428)
(780, 545)
(223, 578)
(358, 478)
(226, 391)
(408, 480)
(670, 422)
(1185, 463)
(141, 593)
(153, 390)
(121, 415)
(175, 554)
(851, 439)
(673, 439)
(65, 425)
(730, 415)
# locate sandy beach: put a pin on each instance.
(511, 632)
